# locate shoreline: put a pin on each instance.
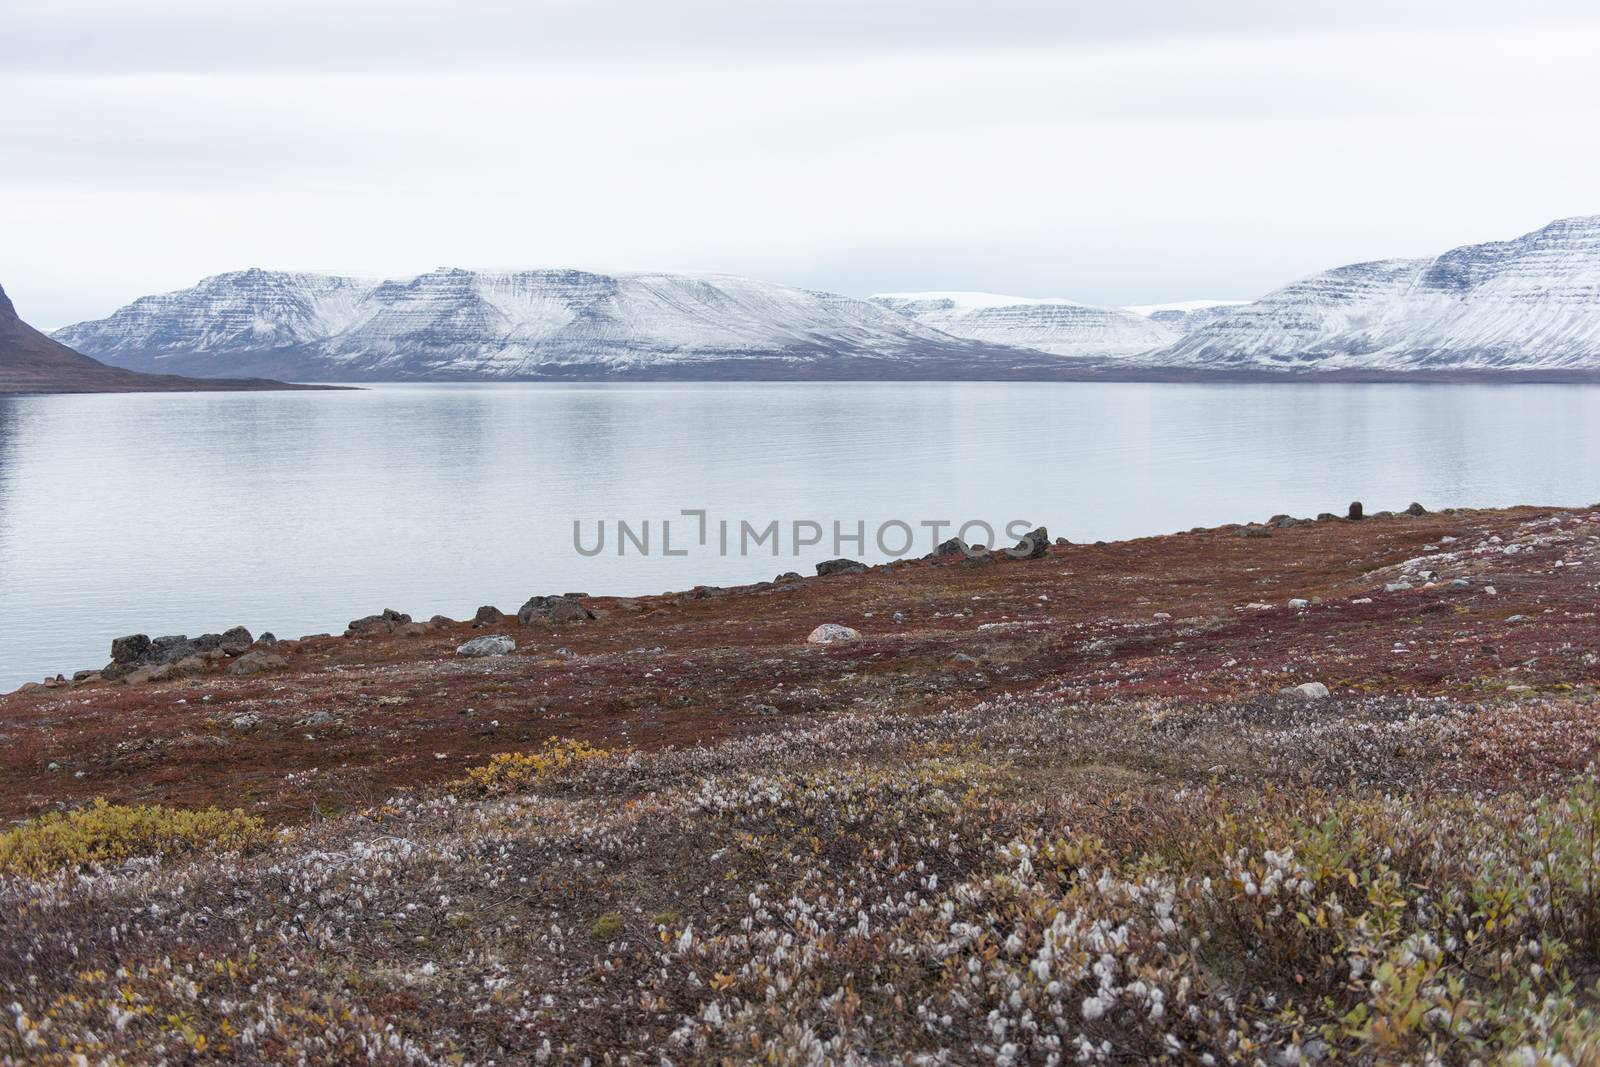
(215, 641)
(1037, 614)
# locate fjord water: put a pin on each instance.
(295, 512)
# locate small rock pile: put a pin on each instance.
(138, 657)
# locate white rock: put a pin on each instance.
(829, 632)
(1307, 691)
(1397, 587)
(492, 645)
(1299, 602)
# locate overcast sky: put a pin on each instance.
(1114, 153)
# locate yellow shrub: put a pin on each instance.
(110, 833)
(506, 772)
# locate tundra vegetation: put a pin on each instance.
(1406, 870)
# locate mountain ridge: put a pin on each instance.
(453, 323)
(1528, 307)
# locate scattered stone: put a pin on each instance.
(1460, 583)
(1362, 600)
(1307, 691)
(961, 659)
(1491, 590)
(256, 662)
(1162, 616)
(840, 566)
(442, 620)
(1062, 542)
(267, 640)
(831, 632)
(488, 615)
(318, 718)
(1397, 587)
(899, 616)
(788, 576)
(766, 709)
(1252, 531)
(244, 722)
(1299, 603)
(493, 645)
(1516, 618)
(1416, 509)
(1356, 512)
(1327, 516)
(955, 546)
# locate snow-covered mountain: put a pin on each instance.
(1529, 304)
(527, 324)
(1060, 327)
(1185, 316)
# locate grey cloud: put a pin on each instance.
(203, 36)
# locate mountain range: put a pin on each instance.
(1529, 306)
(536, 324)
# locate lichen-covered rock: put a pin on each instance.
(1033, 545)
(236, 641)
(831, 632)
(385, 622)
(566, 608)
(491, 645)
(130, 649)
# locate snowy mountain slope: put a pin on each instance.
(236, 312)
(452, 323)
(1532, 303)
(1060, 327)
(1185, 316)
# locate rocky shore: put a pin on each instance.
(1306, 790)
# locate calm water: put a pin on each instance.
(295, 512)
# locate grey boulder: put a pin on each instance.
(491, 645)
